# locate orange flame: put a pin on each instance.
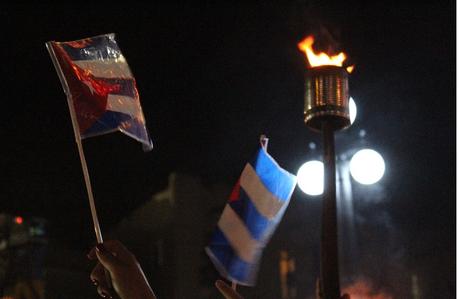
(362, 289)
(322, 58)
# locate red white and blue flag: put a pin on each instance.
(100, 87)
(251, 215)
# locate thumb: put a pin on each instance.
(227, 291)
(106, 258)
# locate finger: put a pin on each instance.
(92, 254)
(98, 278)
(227, 291)
(114, 246)
(97, 275)
(107, 258)
(119, 250)
(104, 293)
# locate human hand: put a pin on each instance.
(227, 291)
(127, 277)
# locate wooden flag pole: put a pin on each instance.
(84, 166)
(234, 285)
(264, 141)
(97, 228)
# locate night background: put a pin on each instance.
(211, 79)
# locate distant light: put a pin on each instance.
(18, 220)
(367, 167)
(310, 177)
(352, 109)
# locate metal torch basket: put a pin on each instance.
(326, 97)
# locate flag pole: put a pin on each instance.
(81, 153)
(264, 141)
(97, 228)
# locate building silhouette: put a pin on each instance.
(168, 235)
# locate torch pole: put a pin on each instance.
(329, 251)
(326, 110)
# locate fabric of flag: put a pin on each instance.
(252, 213)
(102, 89)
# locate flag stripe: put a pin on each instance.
(256, 223)
(121, 86)
(238, 235)
(108, 122)
(228, 263)
(266, 203)
(124, 104)
(278, 181)
(111, 68)
(94, 48)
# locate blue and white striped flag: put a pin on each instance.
(251, 215)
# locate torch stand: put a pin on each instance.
(326, 110)
(329, 245)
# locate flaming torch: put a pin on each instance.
(326, 111)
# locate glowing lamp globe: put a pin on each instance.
(310, 177)
(367, 167)
(353, 110)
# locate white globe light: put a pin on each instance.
(367, 167)
(352, 109)
(310, 177)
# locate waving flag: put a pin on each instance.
(252, 213)
(100, 87)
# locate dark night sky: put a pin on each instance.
(211, 79)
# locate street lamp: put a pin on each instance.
(310, 177)
(366, 167)
(353, 110)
